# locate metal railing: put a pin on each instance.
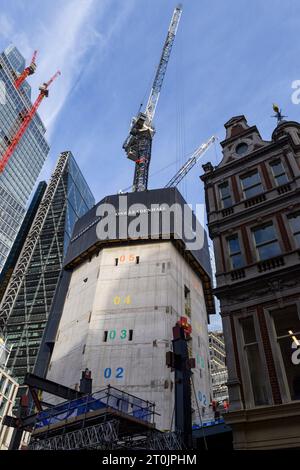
(109, 397)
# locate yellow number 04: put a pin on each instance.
(117, 300)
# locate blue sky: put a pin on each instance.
(230, 57)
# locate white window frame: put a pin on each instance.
(231, 235)
(227, 180)
(288, 216)
(273, 162)
(248, 173)
(255, 252)
(245, 371)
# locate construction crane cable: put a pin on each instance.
(157, 172)
(181, 99)
(148, 87)
(216, 154)
(190, 163)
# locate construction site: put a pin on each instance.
(124, 359)
(130, 319)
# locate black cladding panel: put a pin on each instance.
(125, 207)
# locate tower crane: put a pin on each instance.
(199, 152)
(27, 71)
(27, 118)
(188, 165)
(139, 142)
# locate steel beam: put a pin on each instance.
(53, 388)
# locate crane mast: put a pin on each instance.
(139, 142)
(199, 152)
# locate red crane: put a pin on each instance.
(27, 71)
(44, 92)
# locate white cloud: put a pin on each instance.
(5, 25)
(63, 36)
(67, 34)
(9, 31)
(62, 44)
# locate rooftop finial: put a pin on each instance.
(277, 114)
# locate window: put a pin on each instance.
(105, 335)
(287, 327)
(225, 195)
(257, 374)
(2, 406)
(130, 336)
(2, 381)
(137, 260)
(116, 261)
(279, 173)
(266, 242)
(251, 184)
(241, 148)
(294, 220)
(8, 388)
(236, 257)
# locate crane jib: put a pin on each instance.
(190, 163)
(139, 141)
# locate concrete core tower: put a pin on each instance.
(119, 298)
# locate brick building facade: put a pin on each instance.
(253, 207)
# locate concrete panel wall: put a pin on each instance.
(146, 298)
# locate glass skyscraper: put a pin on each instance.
(24, 166)
(15, 58)
(18, 63)
(30, 309)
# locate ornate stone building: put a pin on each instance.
(253, 206)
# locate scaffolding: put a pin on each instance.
(108, 419)
(100, 436)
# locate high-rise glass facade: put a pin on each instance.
(21, 172)
(28, 317)
(17, 62)
(15, 58)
